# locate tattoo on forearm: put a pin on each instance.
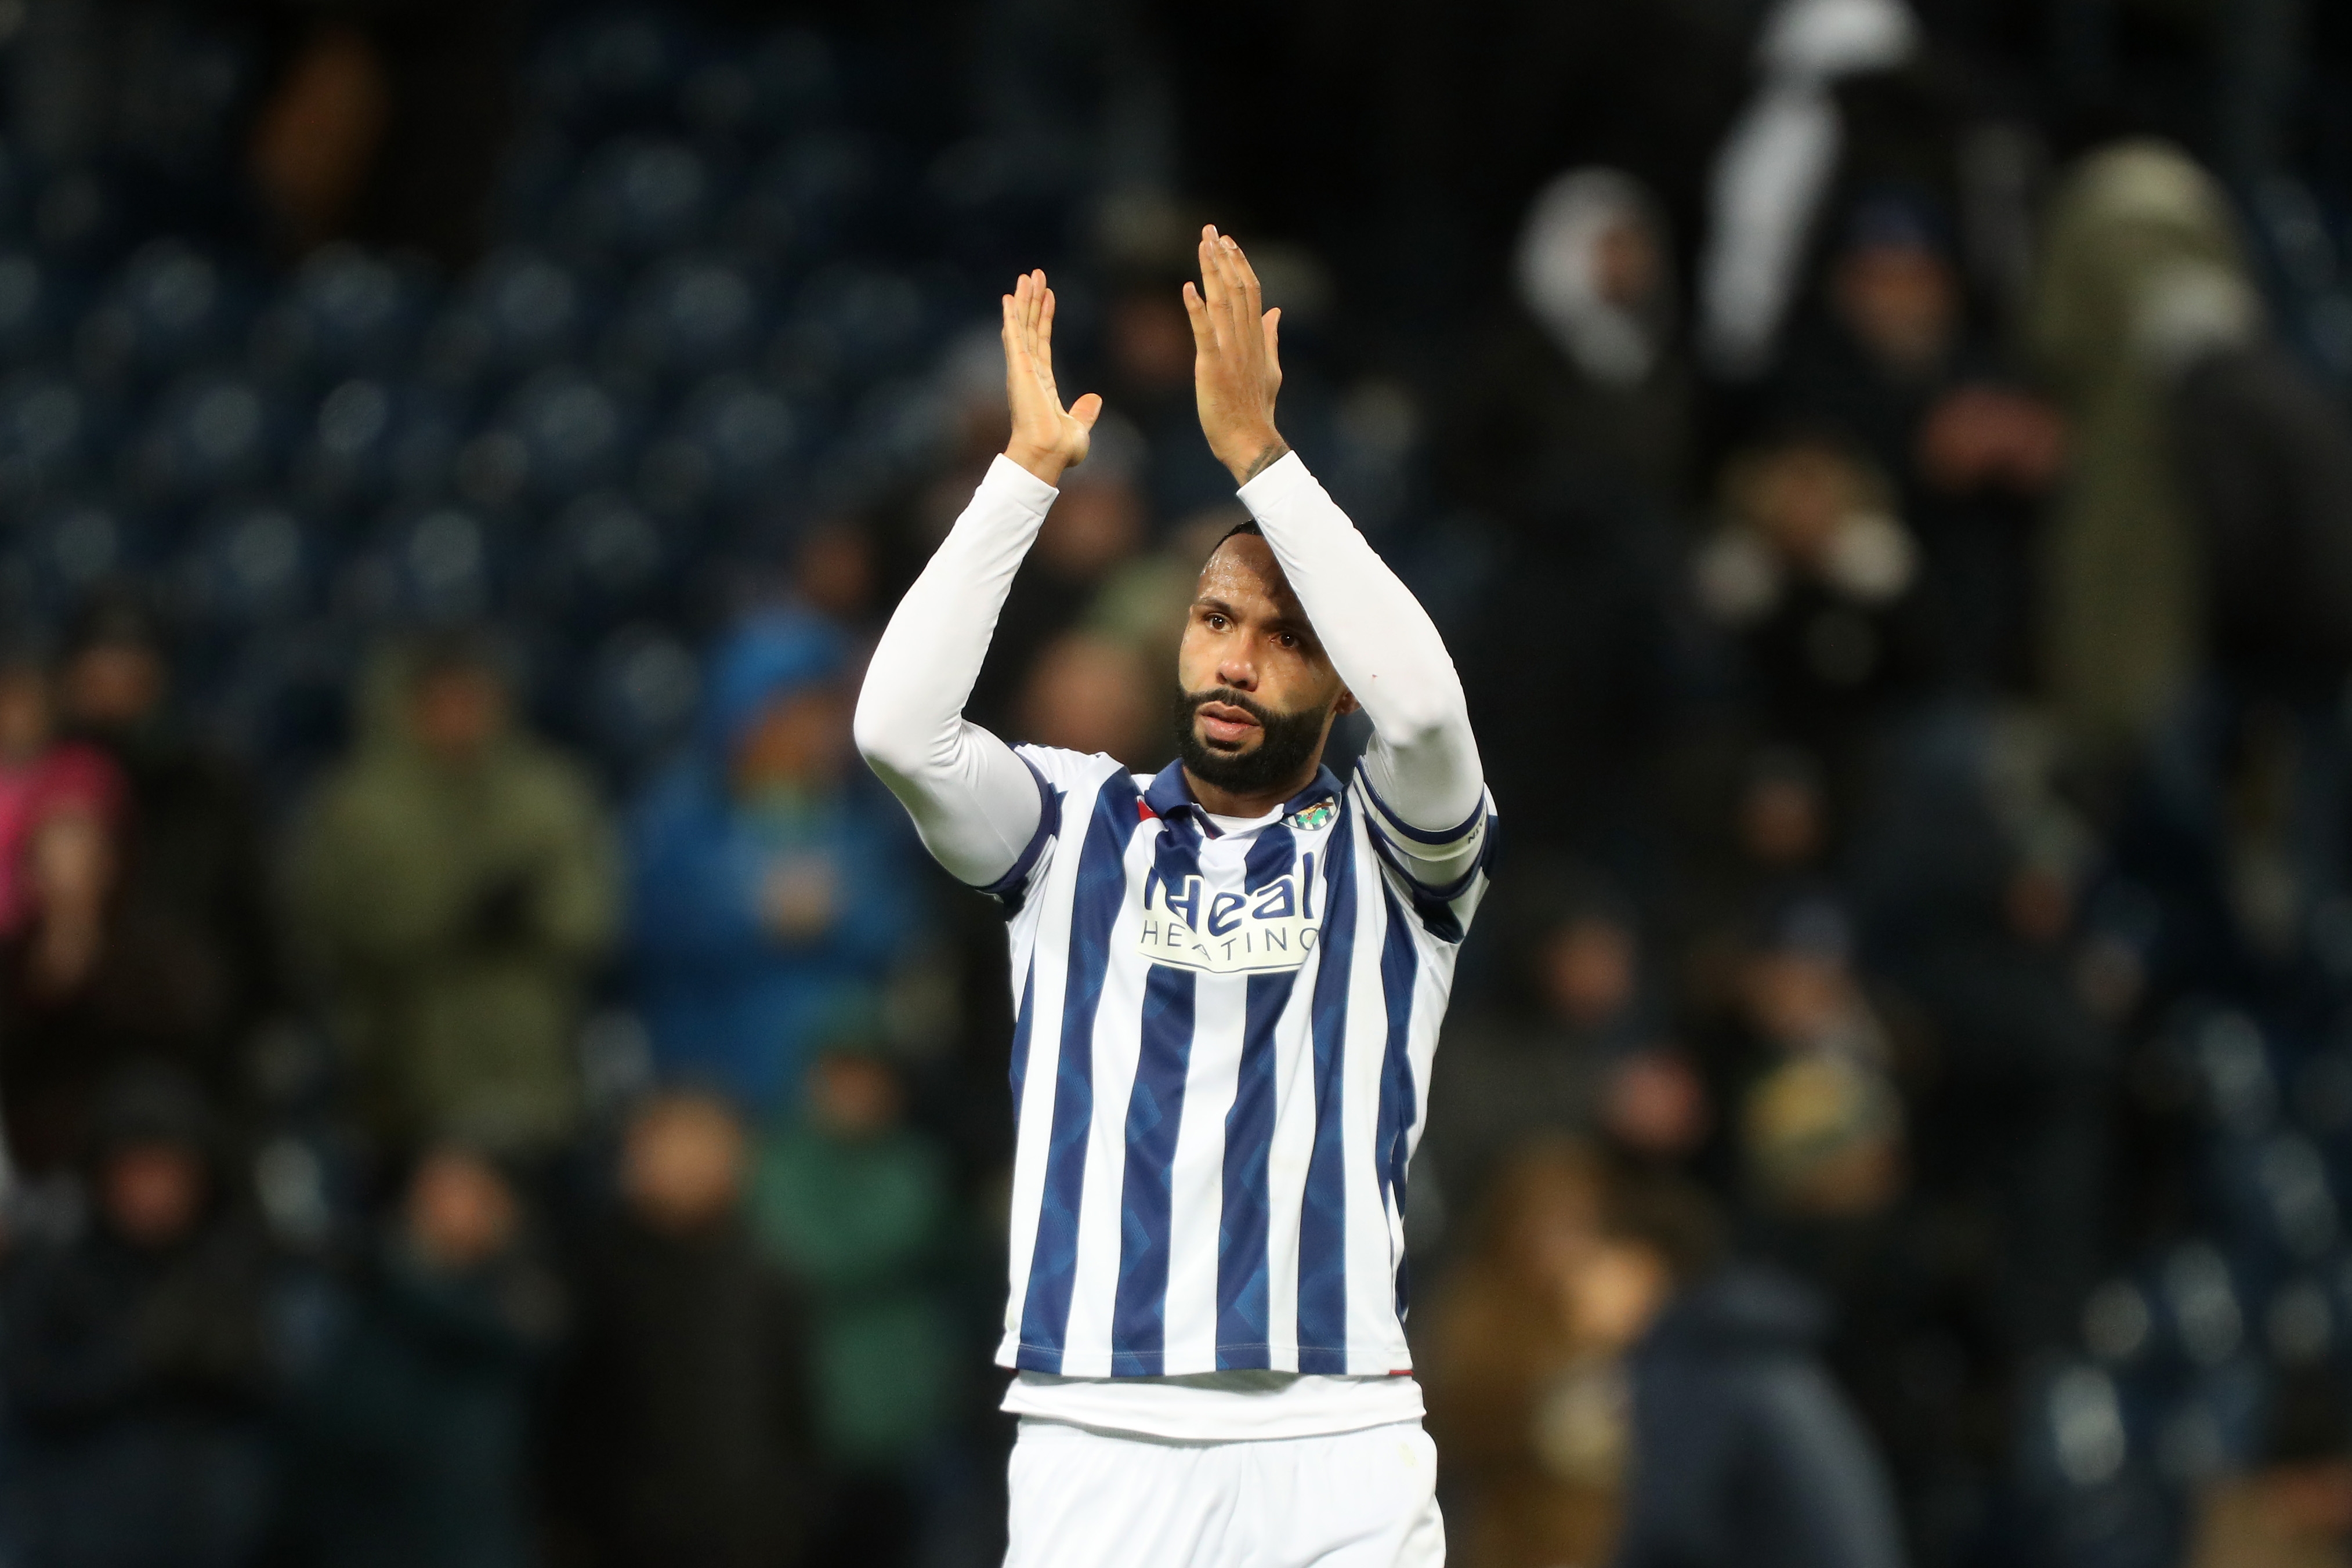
(1267, 459)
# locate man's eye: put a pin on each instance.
(1287, 639)
(1216, 622)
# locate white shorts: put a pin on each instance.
(1083, 1499)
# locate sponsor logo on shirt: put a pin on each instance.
(1265, 930)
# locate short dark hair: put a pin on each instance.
(1250, 528)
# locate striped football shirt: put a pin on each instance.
(1221, 1052)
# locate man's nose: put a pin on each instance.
(1239, 673)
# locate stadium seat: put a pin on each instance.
(689, 316)
(345, 312)
(171, 305)
(560, 433)
(210, 432)
(520, 309)
(636, 196)
(369, 438)
(731, 444)
(248, 565)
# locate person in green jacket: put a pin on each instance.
(455, 883)
(855, 1205)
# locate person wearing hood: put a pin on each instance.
(1569, 431)
(138, 1376)
(2142, 272)
(2199, 580)
(767, 891)
(456, 881)
(1587, 367)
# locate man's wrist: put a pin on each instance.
(1262, 455)
(1047, 465)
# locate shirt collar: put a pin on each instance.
(1169, 794)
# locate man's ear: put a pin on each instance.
(1346, 703)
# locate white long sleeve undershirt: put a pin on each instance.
(977, 805)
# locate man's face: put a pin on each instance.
(152, 1192)
(682, 1163)
(1902, 301)
(460, 1210)
(800, 739)
(1256, 693)
(457, 713)
(113, 685)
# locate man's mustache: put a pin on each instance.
(1267, 717)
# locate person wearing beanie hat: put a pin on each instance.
(766, 884)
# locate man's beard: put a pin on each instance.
(1288, 743)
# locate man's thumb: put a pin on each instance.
(1088, 409)
(1273, 330)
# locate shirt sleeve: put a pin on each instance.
(1421, 772)
(982, 811)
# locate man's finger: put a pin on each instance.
(1271, 320)
(1233, 303)
(1212, 286)
(1016, 355)
(1251, 295)
(1046, 328)
(1204, 337)
(1088, 409)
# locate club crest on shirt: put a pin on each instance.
(1315, 818)
(1265, 930)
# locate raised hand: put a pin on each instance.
(1046, 437)
(1236, 370)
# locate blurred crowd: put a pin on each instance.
(487, 1080)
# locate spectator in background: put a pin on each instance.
(1771, 842)
(856, 1204)
(1892, 362)
(1582, 1054)
(1098, 523)
(1089, 693)
(2142, 271)
(1742, 1450)
(455, 880)
(413, 1438)
(1971, 871)
(1584, 378)
(767, 887)
(682, 1436)
(193, 853)
(31, 758)
(136, 1369)
(1815, 578)
(96, 977)
(1807, 1068)
(1570, 432)
(1528, 1411)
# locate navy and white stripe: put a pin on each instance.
(1220, 1062)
